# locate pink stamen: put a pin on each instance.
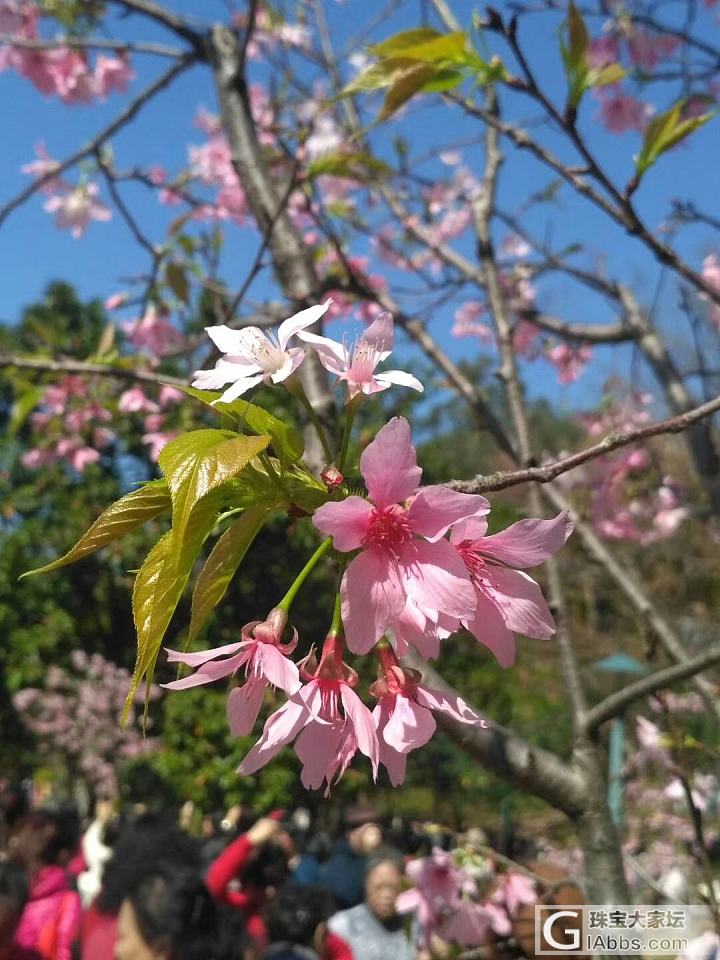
(389, 529)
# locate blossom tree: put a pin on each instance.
(367, 212)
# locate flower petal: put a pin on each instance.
(279, 730)
(243, 706)
(208, 673)
(399, 378)
(298, 321)
(372, 596)
(379, 334)
(202, 656)
(389, 464)
(232, 342)
(520, 601)
(363, 725)
(346, 522)
(279, 670)
(410, 726)
(435, 509)
(528, 542)
(489, 628)
(436, 579)
(317, 748)
(293, 358)
(238, 388)
(332, 354)
(473, 528)
(453, 706)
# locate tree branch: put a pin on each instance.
(94, 43)
(68, 365)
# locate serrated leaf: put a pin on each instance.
(405, 86)
(398, 43)
(121, 517)
(200, 461)
(177, 281)
(287, 442)
(22, 407)
(222, 564)
(159, 585)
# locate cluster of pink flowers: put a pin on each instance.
(570, 360)
(72, 427)
(657, 510)
(155, 430)
(450, 903)
(421, 567)
(76, 719)
(74, 206)
(58, 70)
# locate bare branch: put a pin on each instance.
(67, 365)
(179, 25)
(94, 43)
(614, 704)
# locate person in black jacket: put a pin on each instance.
(344, 871)
(297, 924)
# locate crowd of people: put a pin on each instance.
(140, 886)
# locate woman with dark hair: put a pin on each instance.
(170, 915)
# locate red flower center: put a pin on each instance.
(389, 529)
(473, 560)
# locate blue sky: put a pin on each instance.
(34, 251)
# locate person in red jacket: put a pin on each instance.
(251, 870)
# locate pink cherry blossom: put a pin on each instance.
(135, 400)
(403, 554)
(647, 50)
(112, 74)
(115, 300)
(43, 166)
(75, 209)
(404, 714)
(471, 924)
(468, 322)
(265, 659)
(507, 600)
(569, 360)
(156, 440)
(325, 717)
(438, 885)
(356, 366)
(514, 890)
(604, 51)
(153, 332)
(620, 112)
(252, 356)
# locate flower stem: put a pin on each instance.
(298, 391)
(336, 624)
(304, 573)
(351, 410)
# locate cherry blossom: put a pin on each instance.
(252, 356)
(75, 209)
(403, 554)
(507, 600)
(404, 714)
(326, 716)
(356, 366)
(265, 659)
(569, 360)
(153, 332)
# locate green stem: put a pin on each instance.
(352, 409)
(304, 573)
(267, 463)
(336, 625)
(299, 392)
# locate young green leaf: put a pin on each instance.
(120, 518)
(176, 279)
(200, 461)
(405, 86)
(664, 132)
(400, 42)
(222, 564)
(578, 38)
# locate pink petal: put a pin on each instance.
(520, 602)
(363, 725)
(409, 900)
(293, 359)
(279, 670)
(317, 747)
(389, 464)
(435, 509)
(454, 707)
(380, 334)
(474, 528)
(436, 579)
(346, 522)
(208, 673)
(489, 628)
(372, 597)
(399, 378)
(395, 763)
(279, 730)
(332, 355)
(202, 656)
(298, 321)
(243, 706)
(410, 725)
(528, 542)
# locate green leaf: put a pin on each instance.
(120, 518)
(664, 132)
(177, 281)
(379, 75)
(222, 564)
(578, 38)
(398, 43)
(200, 461)
(22, 407)
(444, 79)
(355, 165)
(405, 86)
(445, 48)
(158, 587)
(286, 440)
(603, 77)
